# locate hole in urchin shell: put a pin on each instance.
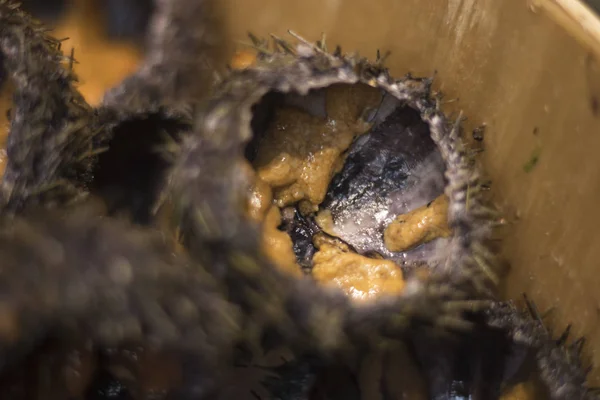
(130, 175)
(347, 175)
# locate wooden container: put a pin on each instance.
(531, 73)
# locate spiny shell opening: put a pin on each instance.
(131, 171)
(339, 163)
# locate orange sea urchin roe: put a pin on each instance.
(418, 226)
(243, 59)
(300, 153)
(277, 245)
(360, 277)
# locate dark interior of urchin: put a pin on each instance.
(129, 176)
(390, 170)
